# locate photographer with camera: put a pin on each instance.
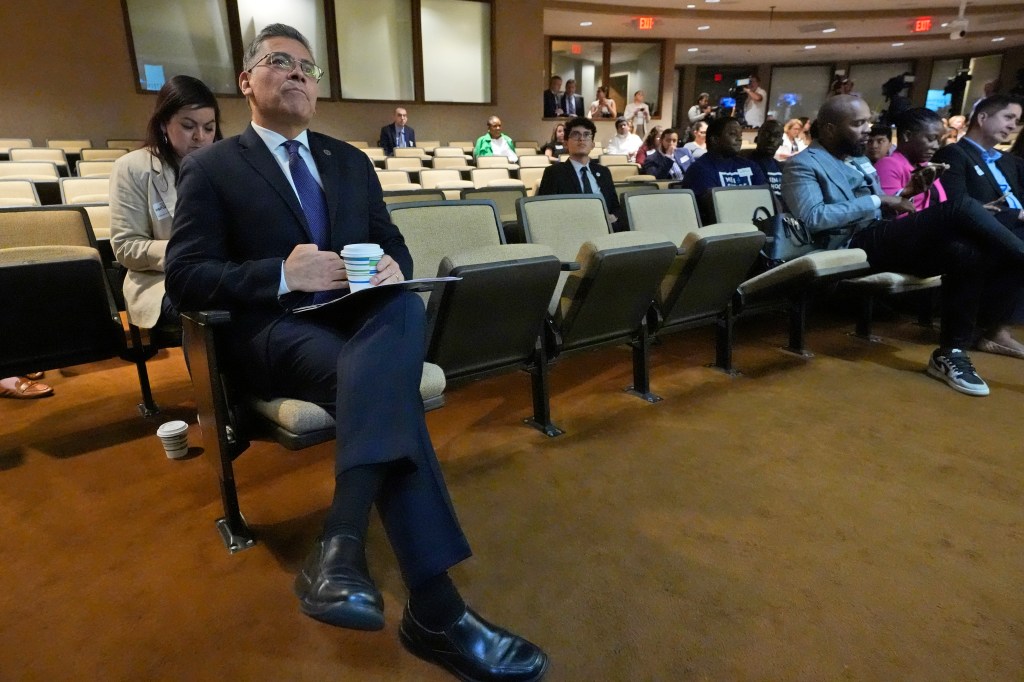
(756, 105)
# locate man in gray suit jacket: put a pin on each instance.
(259, 223)
(834, 190)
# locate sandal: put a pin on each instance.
(23, 388)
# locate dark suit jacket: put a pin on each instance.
(561, 178)
(962, 178)
(238, 218)
(580, 110)
(389, 138)
(552, 102)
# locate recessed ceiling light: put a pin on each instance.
(897, 44)
(944, 24)
(711, 2)
(691, 49)
(999, 39)
(691, 7)
(703, 28)
(828, 30)
(810, 47)
(586, 23)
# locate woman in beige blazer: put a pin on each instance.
(142, 195)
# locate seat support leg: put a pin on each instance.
(641, 386)
(797, 325)
(724, 328)
(148, 407)
(541, 390)
(864, 321)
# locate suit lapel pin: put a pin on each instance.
(327, 152)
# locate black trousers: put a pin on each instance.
(981, 261)
(363, 365)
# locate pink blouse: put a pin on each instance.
(894, 174)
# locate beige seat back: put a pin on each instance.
(613, 159)
(45, 226)
(435, 229)
(482, 176)
(99, 219)
(95, 169)
(411, 152)
(448, 151)
(403, 162)
(467, 146)
(6, 143)
(358, 144)
(36, 171)
(492, 162)
(84, 190)
(458, 162)
(393, 177)
(534, 161)
(672, 213)
(504, 199)
(102, 154)
(39, 154)
(622, 172)
(737, 204)
(531, 177)
(70, 146)
(18, 193)
(125, 143)
(430, 177)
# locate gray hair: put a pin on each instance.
(272, 31)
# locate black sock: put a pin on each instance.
(436, 603)
(354, 493)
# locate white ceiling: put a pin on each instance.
(749, 32)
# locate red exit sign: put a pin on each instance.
(922, 24)
(645, 23)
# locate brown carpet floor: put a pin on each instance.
(839, 518)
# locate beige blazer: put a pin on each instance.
(142, 196)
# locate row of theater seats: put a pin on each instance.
(570, 284)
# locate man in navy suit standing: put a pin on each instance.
(259, 222)
(833, 189)
(397, 134)
(572, 104)
(579, 174)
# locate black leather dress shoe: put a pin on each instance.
(475, 650)
(335, 587)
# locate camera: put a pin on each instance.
(738, 90)
(957, 29)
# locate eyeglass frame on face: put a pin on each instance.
(308, 68)
(580, 135)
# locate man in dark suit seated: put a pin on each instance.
(553, 98)
(397, 134)
(980, 171)
(259, 223)
(572, 104)
(579, 174)
(833, 189)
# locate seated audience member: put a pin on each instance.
(918, 133)
(834, 191)
(993, 178)
(700, 111)
(579, 174)
(792, 140)
(555, 147)
(697, 145)
(959, 124)
(25, 388)
(495, 143)
(879, 143)
(602, 107)
(638, 114)
(143, 195)
(253, 235)
(572, 104)
(552, 98)
(624, 141)
(767, 143)
(808, 130)
(651, 143)
(397, 133)
(662, 162)
(723, 166)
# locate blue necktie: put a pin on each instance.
(401, 137)
(311, 196)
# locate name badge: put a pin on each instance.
(160, 211)
(745, 172)
(978, 170)
(867, 168)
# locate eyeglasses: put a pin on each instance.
(283, 61)
(577, 135)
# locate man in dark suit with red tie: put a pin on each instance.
(397, 133)
(258, 225)
(579, 174)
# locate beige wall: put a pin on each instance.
(74, 78)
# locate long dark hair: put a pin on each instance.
(180, 92)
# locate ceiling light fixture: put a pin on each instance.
(897, 44)
(828, 30)
(711, 2)
(999, 39)
(692, 49)
(810, 47)
(703, 28)
(691, 7)
(586, 23)
(944, 24)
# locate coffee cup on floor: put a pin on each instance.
(361, 264)
(174, 437)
